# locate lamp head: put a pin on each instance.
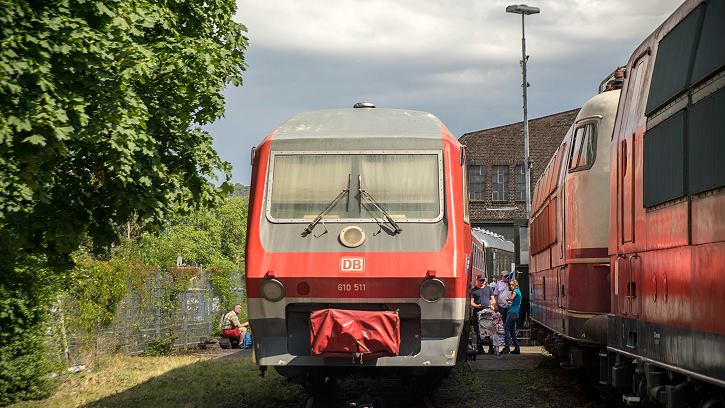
(522, 9)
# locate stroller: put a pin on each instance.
(485, 321)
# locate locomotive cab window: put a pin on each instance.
(406, 185)
(584, 151)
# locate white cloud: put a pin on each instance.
(455, 30)
(457, 59)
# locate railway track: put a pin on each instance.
(382, 393)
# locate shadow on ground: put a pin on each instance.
(547, 385)
(233, 381)
(228, 381)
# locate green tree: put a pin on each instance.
(212, 238)
(102, 105)
(240, 190)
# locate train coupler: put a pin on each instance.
(357, 358)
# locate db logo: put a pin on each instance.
(352, 264)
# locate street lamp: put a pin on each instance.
(525, 10)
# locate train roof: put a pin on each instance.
(361, 123)
(492, 240)
(598, 105)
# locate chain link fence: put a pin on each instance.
(145, 316)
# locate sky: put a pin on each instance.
(457, 59)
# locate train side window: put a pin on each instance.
(576, 145)
(670, 76)
(585, 150)
(705, 121)
(706, 144)
(710, 51)
(466, 201)
(475, 256)
(664, 161)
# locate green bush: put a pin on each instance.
(25, 297)
(160, 346)
(95, 288)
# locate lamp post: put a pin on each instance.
(525, 10)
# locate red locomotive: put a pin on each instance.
(358, 248)
(665, 340)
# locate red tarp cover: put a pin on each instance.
(345, 332)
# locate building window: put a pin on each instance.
(499, 185)
(520, 183)
(476, 182)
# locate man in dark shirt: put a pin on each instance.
(481, 297)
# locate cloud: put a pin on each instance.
(455, 59)
(457, 30)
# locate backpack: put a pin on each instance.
(247, 340)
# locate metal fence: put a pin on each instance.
(143, 316)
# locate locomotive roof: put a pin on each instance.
(598, 104)
(361, 123)
(491, 240)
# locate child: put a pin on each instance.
(497, 332)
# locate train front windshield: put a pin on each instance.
(407, 186)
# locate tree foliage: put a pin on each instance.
(211, 238)
(25, 295)
(102, 105)
(101, 108)
(240, 190)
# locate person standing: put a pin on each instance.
(512, 318)
(481, 298)
(502, 293)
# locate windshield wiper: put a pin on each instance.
(367, 195)
(313, 224)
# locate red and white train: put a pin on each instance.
(628, 275)
(569, 267)
(358, 245)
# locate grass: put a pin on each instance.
(173, 381)
(232, 381)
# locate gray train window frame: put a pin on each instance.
(270, 183)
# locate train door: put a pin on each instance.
(563, 171)
(626, 224)
(628, 263)
(561, 279)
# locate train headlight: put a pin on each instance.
(272, 290)
(432, 289)
(352, 236)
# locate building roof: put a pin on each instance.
(546, 130)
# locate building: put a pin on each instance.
(496, 178)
